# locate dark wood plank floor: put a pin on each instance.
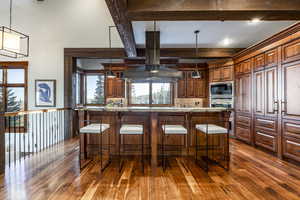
(55, 174)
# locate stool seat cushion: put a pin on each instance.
(94, 128)
(212, 129)
(134, 129)
(174, 129)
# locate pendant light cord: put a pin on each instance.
(196, 32)
(10, 14)
(109, 33)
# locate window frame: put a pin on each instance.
(85, 74)
(150, 95)
(4, 85)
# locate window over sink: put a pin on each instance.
(150, 94)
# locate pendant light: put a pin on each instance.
(154, 68)
(196, 73)
(110, 73)
(13, 44)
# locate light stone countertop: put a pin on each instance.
(154, 109)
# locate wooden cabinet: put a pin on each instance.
(271, 58)
(243, 133)
(219, 74)
(259, 62)
(259, 93)
(291, 51)
(265, 133)
(291, 91)
(291, 139)
(115, 87)
(187, 87)
(243, 93)
(271, 92)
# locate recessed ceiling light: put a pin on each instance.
(254, 21)
(227, 41)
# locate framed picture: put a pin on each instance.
(45, 93)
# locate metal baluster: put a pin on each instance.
(56, 127)
(9, 147)
(43, 130)
(52, 128)
(14, 123)
(34, 119)
(40, 131)
(19, 136)
(24, 143)
(47, 130)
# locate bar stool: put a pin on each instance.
(168, 130)
(131, 129)
(99, 129)
(216, 145)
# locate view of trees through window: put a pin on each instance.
(95, 89)
(151, 93)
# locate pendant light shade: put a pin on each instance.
(13, 43)
(196, 73)
(110, 74)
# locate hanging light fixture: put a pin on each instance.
(110, 73)
(196, 73)
(13, 43)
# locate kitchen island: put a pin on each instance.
(153, 117)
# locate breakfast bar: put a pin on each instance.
(153, 118)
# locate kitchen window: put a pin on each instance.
(150, 94)
(95, 89)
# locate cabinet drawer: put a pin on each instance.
(259, 61)
(291, 129)
(291, 148)
(291, 51)
(243, 133)
(243, 120)
(267, 124)
(265, 140)
(271, 58)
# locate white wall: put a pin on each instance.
(52, 26)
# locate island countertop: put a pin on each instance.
(153, 109)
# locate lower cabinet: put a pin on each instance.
(291, 139)
(265, 133)
(243, 133)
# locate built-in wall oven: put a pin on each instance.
(221, 94)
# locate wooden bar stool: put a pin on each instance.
(131, 129)
(167, 130)
(215, 148)
(94, 128)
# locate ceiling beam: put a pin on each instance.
(118, 12)
(190, 52)
(184, 53)
(148, 10)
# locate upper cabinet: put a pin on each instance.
(291, 51)
(187, 87)
(221, 71)
(115, 87)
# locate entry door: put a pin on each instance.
(291, 91)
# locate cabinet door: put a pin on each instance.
(109, 88)
(181, 86)
(119, 88)
(259, 86)
(217, 74)
(291, 91)
(227, 73)
(190, 87)
(246, 66)
(271, 58)
(259, 62)
(239, 94)
(200, 88)
(271, 97)
(246, 101)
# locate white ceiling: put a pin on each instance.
(239, 34)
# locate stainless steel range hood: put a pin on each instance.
(153, 70)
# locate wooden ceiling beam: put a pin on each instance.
(149, 10)
(184, 53)
(118, 12)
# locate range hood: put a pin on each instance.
(153, 70)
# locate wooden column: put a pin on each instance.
(2, 144)
(69, 92)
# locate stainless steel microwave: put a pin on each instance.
(221, 89)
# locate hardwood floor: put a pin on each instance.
(55, 174)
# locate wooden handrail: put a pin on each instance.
(11, 114)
